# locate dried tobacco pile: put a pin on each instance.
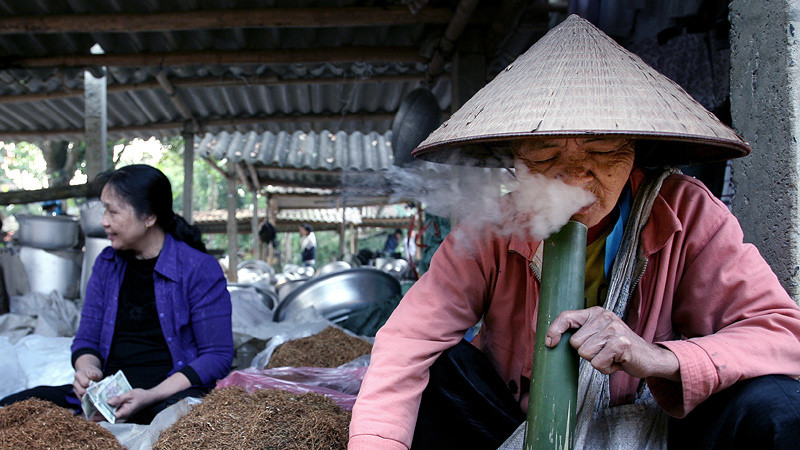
(265, 419)
(35, 423)
(330, 347)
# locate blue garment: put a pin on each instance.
(193, 304)
(614, 239)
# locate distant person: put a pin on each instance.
(268, 234)
(394, 244)
(52, 208)
(308, 244)
(157, 305)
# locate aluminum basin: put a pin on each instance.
(338, 294)
(48, 232)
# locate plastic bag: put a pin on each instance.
(46, 360)
(250, 317)
(143, 437)
(55, 315)
(12, 377)
(339, 384)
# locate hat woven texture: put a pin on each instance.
(577, 81)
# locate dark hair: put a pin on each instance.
(307, 227)
(149, 191)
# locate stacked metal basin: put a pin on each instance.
(48, 250)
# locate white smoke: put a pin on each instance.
(547, 203)
(470, 195)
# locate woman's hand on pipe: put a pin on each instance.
(87, 368)
(610, 345)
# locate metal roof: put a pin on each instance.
(229, 65)
(311, 159)
(320, 218)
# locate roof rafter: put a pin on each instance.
(220, 57)
(221, 19)
(216, 82)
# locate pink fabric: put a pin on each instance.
(705, 295)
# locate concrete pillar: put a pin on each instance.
(188, 175)
(765, 106)
(97, 155)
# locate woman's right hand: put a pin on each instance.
(87, 368)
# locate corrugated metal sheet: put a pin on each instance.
(301, 158)
(145, 112)
(320, 218)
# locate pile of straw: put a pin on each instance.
(35, 423)
(330, 347)
(265, 419)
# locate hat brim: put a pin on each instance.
(651, 150)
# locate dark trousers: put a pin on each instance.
(62, 396)
(467, 405)
(762, 413)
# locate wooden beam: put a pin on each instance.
(221, 19)
(220, 57)
(450, 38)
(165, 84)
(215, 82)
(300, 201)
(41, 195)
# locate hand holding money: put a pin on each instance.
(95, 400)
(87, 369)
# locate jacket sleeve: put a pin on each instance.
(432, 317)
(87, 338)
(210, 317)
(735, 318)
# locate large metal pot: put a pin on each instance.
(91, 251)
(332, 267)
(92, 218)
(48, 232)
(338, 294)
(267, 293)
(48, 271)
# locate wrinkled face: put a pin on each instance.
(124, 227)
(600, 165)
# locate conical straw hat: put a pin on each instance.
(577, 81)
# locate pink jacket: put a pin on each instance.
(705, 295)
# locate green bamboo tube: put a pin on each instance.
(554, 382)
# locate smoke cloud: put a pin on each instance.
(472, 195)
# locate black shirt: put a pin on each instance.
(138, 347)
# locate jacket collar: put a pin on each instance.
(661, 226)
(167, 264)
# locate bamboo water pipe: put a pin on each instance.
(553, 393)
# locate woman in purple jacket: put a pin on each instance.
(157, 306)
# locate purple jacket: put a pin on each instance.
(193, 306)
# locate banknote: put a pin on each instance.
(97, 394)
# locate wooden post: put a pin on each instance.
(343, 230)
(233, 260)
(353, 239)
(272, 217)
(256, 246)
